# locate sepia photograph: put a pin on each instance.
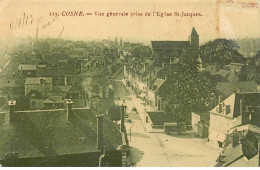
(129, 83)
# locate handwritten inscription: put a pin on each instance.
(26, 20)
(22, 21)
(43, 25)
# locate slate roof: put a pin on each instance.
(240, 152)
(227, 88)
(61, 88)
(58, 71)
(35, 93)
(194, 32)
(243, 162)
(54, 99)
(48, 133)
(159, 117)
(223, 73)
(228, 75)
(169, 44)
(158, 83)
(36, 80)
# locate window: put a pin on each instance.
(42, 81)
(228, 109)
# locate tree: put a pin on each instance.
(251, 71)
(190, 89)
(222, 50)
(114, 112)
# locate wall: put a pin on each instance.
(220, 123)
(38, 104)
(195, 118)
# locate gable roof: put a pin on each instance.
(169, 44)
(37, 80)
(49, 133)
(223, 73)
(61, 88)
(227, 88)
(159, 117)
(28, 67)
(54, 99)
(34, 93)
(158, 83)
(229, 75)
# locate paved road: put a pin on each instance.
(158, 149)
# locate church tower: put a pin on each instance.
(194, 39)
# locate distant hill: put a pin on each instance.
(248, 46)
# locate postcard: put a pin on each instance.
(129, 83)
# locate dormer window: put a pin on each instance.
(42, 81)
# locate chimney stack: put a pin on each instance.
(65, 80)
(219, 99)
(241, 106)
(245, 116)
(100, 139)
(235, 139)
(166, 77)
(11, 104)
(69, 103)
(122, 117)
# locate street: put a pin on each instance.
(159, 149)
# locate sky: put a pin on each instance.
(220, 19)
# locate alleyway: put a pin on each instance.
(158, 149)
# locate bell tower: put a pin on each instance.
(194, 39)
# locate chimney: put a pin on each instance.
(220, 157)
(65, 80)
(219, 99)
(122, 117)
(245, 116)
(11, 104)
(243, 140)
(241, 106)
(235, 139)
(166, 77)
(220, 108)
(100, 139)
(69, 103)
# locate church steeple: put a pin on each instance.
(194, 39)
(194, 32)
